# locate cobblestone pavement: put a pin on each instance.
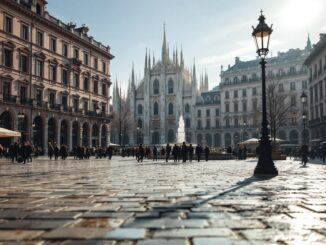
(122, 202)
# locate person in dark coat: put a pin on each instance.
(56, 152)
(191, 152)
(199, 151)
(175, 152)
(23, 152)
(13, 150)
(50, 150)
(63, 152)
(110, 152)
(304, 154)
(168, 151)
(155, 153)
(141, 153)
(206, 150)
(29, 152)
(184, 151)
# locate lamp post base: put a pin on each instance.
(267, 169)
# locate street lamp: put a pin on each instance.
(261, 35)
(304, 116)
(243, 133)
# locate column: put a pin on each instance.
(45, 137)
(100, 136)
(90, 136)
(70, 135)
(58, 131)
(80, 135)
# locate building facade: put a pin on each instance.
(240, 90)
(54, 78)
(167, 91)
(316, 64)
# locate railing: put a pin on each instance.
(9, 98)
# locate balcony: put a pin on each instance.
(9, 98)
(54, 107)
(25, 101)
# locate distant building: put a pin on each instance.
(240, 90)
(167, 91)
(316, 63)
(54, 78)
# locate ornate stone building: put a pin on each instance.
(240, 90)
(167, 91)
(316, 63)
(54, 78)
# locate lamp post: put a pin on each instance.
(21, 117)
(261, 35)
(243, 131)
(304, 116)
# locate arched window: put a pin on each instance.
(86, 83)
(156, 87)
(170, 86)
(187, 123)
(170, 109)
(187, 108)
(155, 108)
(171, 136)
(140, 123)
(140, 109)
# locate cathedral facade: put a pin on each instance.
(167, 91)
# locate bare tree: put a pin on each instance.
(278, 107)
(122, 123)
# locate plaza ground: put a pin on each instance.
(122, 202)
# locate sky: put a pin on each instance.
(211, 32)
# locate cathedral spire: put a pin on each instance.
(149, 59)
(181, 59)
(133, 76)
(173, 56)
(146, 59)
(194, 79)
(308, 46)
(206, 81)
(153, 59)
(176, 57)
(164, 48)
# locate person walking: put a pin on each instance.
(155, 153)
(13, 151)
(199, 151)
(184, 151)
(50, 150)
(56, 151)
(175, 152)
(168, 151)
(304, 154)
(191, 152)
(206, 150)
(141, 153)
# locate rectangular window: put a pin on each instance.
(304, 85)
(51, 100)
(85, 106)
(23, 63)
(86, 84)
(199, 113)
(95, 87)
(321, 90)
(76, 105)
(8, 58)
(95, 64)
(52, 72)
(64, 102)
(208, 112)
(103, 108)
(321, 110)
(217, 112)
(208, 123)
(254, 91)
(217, 123)
(280, 88)
(6, 90)
(254, 105)
(23, 94)
(104, 89)
(293, 101)
(8, 24)
(76, 53)
(76, 80)
(104, 67)
(292, 86)
(64, 76)
(39, 68)
(244, 92)
(65, 49)
(227, 94)
(39, 39)
(244, 106)
(53, 44)
(39, 96)
(235, 94)
(227, 108)
(25, 32)
(236, 107)
(85, 59)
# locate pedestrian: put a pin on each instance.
(191, 152)
(206, 150)
(168, 151)
(56, 151)
(50, 150)
(29, 151)
(304, 154)
(141, 153)
(155, 153)
(184, 151)
(23, 152)
(110, 152)
(175, 152)
(199, 151)
(13, 152)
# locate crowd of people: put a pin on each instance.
(20, 152)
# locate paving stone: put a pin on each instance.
(52, 216)
(166, 223)
(126, 234)
(206, 232)
(33, 224)
(17, 235)
(75, 233)
(163, 242)
(212, 241)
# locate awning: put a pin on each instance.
(6, 133)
